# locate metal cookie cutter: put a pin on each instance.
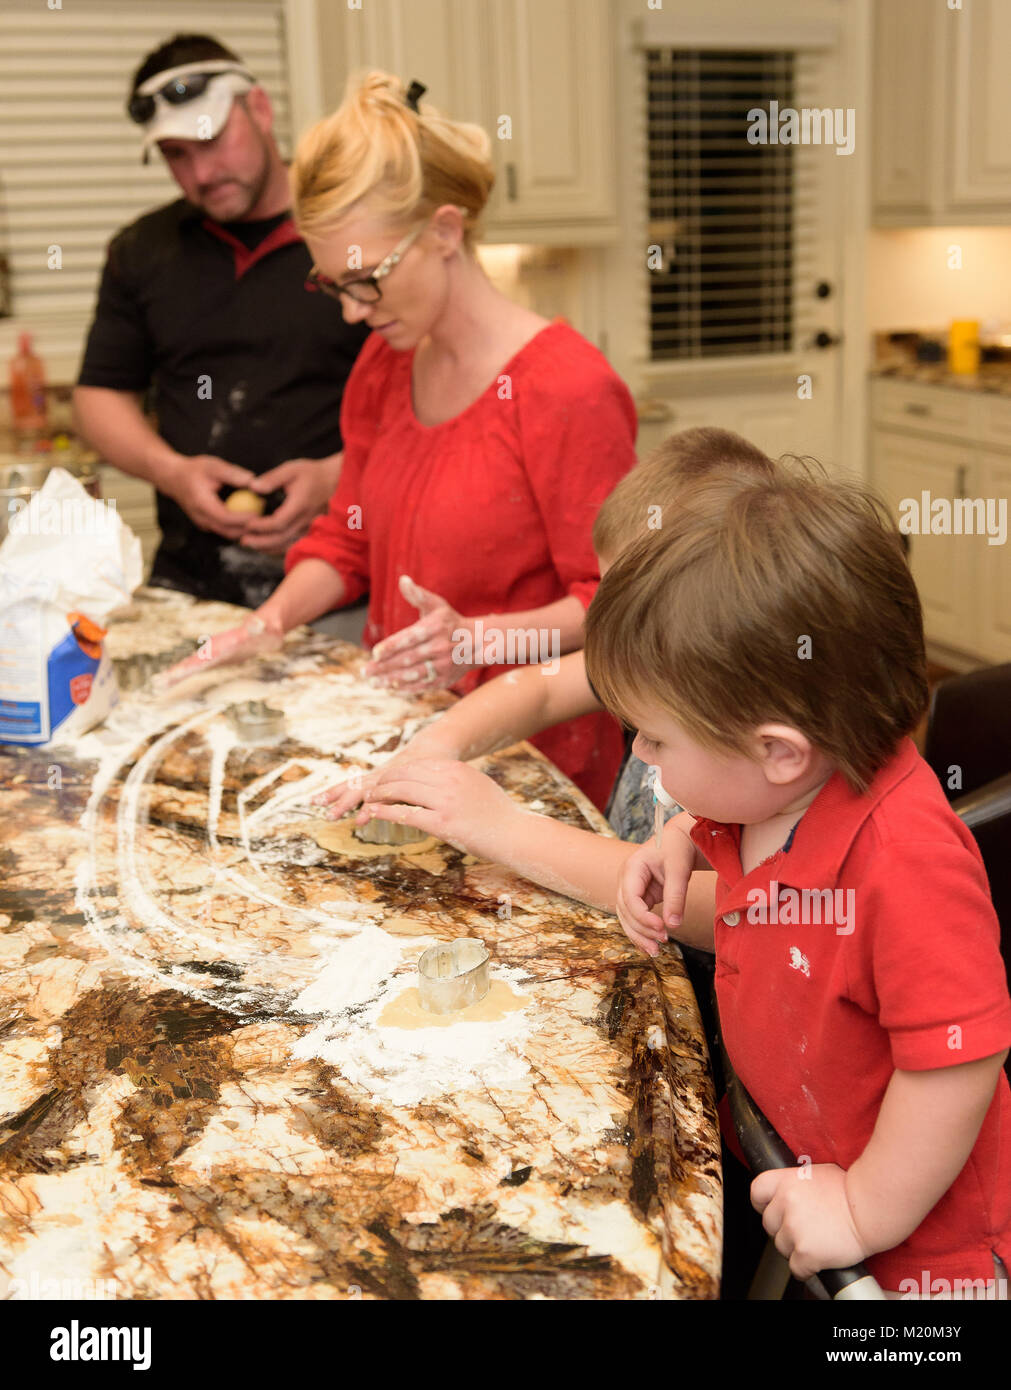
(254, 721)
(453, 975)
(387, 832)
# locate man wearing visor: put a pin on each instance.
(203, 303)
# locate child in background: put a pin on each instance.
(460, 804)
(768, 646)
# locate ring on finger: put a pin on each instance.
(431, 671)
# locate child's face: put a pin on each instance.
(727, 787)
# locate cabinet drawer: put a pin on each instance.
(994, 421)
(933, 409)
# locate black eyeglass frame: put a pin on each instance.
(354, 289)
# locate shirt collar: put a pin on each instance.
(824, 835)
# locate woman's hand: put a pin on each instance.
(450, 800)
(256, 635)
(428, 655)
(652, 876)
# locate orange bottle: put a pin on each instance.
(28, 388)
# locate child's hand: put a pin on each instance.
(807, 1213)
(449, 799)
(652, 876)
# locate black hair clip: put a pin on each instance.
(415, 90)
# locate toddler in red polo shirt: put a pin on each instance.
(768, 646)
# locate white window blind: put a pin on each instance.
(70, 170)
(738, 223)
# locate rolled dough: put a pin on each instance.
(405, 1011)
(339, 838)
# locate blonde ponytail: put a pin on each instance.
(405, 163)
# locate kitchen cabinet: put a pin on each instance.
(942, 113)
(950, 443)
(520, 69)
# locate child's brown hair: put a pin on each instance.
(788, 599)
(636, 505)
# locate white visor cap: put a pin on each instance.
(204, 116)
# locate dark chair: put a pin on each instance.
(968, 746)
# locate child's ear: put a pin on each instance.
(785, 754)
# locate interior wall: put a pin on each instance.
(911, 283)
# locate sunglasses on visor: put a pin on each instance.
(176, 92)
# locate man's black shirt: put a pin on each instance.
(243, 361)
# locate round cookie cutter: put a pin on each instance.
(254, 720)
(388, 832)
(453, 975)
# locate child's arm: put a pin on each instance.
(461, 805)
(495, 715)
(825, 1217)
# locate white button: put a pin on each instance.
(731, 918)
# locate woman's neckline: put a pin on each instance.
(501, 371)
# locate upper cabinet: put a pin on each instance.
(942, 113)
(538, 75)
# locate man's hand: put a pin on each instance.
(449, 799)
(420, 657)
(194, 482)
(255, 636)
(807, 1213)
(652, 876)
(308, 485)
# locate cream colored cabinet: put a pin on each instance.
(979, 107)
(942, 113)
(553, 112)
(906, 467)
(522, 69)
(934, 448)
(904, 55)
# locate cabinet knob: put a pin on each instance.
(823, 339)
(511, 190)
(823, 289)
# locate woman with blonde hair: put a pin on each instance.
(479, 438)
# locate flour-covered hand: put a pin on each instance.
(449, 799)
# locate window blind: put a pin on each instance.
(70, 170)
(737, 223)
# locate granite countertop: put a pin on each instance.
(993, 380)
(204, 1091)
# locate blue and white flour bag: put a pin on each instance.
(67, 564)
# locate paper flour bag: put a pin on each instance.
(66, 564)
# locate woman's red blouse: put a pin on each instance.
(492, 510)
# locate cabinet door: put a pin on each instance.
(905, 468)
(995, 561)
(442, 43)
(903, 96)
(553, 118)
(979, 109)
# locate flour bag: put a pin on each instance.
(67, 563)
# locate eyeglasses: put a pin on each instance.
(366, 290)
(177, 91)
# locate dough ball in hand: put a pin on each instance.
(244, 500)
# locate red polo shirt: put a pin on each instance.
(821, 998)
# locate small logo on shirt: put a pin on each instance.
(793, 907)
(799, 961)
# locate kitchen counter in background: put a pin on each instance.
(199, 1094)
